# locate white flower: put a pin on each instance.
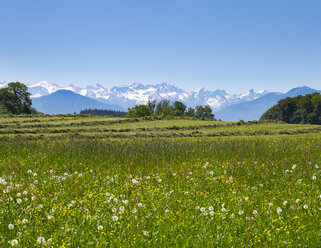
(254, 212)
(293, 166)
(202, 209)
(24, 192)
(49, 217)
(114, 210)
(19, 201)
(174, 174)
(166, 210)
(270, 204)
(210, 208)
(24, 221)
(121, 208)
(297, 200)
(114, 218)
(100, 227)
(107, 194)
(279, 210)
(314, 177)
(19, 194)
(146, 233)
(125, 201)
(41, 240)
(212, 213)
(211, 173)
(134, 181)
(197, 207)
(159, 180)
(140, 205)
(35, 174)
(316, 166)
(115, 200)
(246, 198)
(10, 226)
(134, 210)
(40, 206)
(14, 242)
(224, 210)
(305, 206)
(29, 171)
(285, 202)
(241, 212)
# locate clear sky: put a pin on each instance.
(219, 44)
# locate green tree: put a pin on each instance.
(204, 112)
(190, 112)
(164, 108)
(139, 111)
(179, 108)
(16, 99)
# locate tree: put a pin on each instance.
(190, 112)
(179, 108)
(16, 99)
(204, 112)
(164, 108)
(139, 111)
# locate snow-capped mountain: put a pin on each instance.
(130, 95)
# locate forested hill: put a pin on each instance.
(301, 109)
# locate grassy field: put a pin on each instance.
(80, 181)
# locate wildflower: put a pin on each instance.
(140, 205)
(125, 201)
(134, 210)
(305, 206)
(24, 221)
(134, 181)
(114, 218)
(211, 208)
(40, 206)
(270, 204)
(10, 226)
(285, 202)
(100, 227)
(241, 212)
(202, 209)
(146, 233)
(121, 208)
(211, 173)
(279, 210)
(114, 210)
(246, 198)
(35, 174)
(293, 166)
(316, 166)
(166, 210)
(197, 207)
(297, 200)
(19, 194)
(14, 242)
(41, 240)
(314, 177)
(174, 174)
(49, 217)
(19, 201)
(212, 213)
(159, 180)
(24, 192)
(254, 212)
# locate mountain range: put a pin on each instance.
(54, 99)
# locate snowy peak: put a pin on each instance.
(136, 93)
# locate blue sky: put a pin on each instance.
(228, 44)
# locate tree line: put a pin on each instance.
(103, 112)
(167, 108)
(15, 99)
(297, 110)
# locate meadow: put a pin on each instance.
(84, 181)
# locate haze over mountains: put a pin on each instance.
(53, 99)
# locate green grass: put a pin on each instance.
(90, 190)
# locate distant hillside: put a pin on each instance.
(65, 101)
(253, 110)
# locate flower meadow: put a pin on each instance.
(187, 192)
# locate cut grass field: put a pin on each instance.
(163, 183)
